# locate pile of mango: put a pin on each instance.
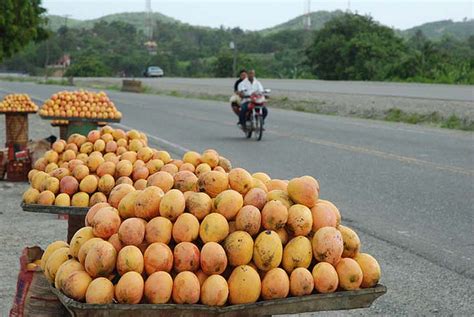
(17, 103)
(83, 170)
(80, 104)
(197, 230)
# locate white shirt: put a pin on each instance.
(249, 88)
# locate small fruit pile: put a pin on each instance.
(80, 104)
(17, 103)
(55, 123)
(83, 171)
(199, 230)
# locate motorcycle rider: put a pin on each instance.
(235, 98)
(246, 88)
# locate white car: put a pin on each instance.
(153, 71)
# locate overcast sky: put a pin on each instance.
(259, 14)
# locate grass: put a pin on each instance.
(392, 115)
(17, 79)
(452, 122)
(61, 82)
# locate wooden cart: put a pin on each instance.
(362, 298)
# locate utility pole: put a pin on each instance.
(234, 62)
(307, 17)
(66, 16)
(150, 44)
(46, 62)
(149, 20)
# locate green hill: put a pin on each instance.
(436, 30)
(137, 19)
(56, 21)
(432, 30)
(318, 19)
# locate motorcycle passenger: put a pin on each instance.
(246, 88)
(235, 98)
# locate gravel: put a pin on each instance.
(19, 229)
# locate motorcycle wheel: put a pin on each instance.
(258, 127)
(249, 127)
(249, 132)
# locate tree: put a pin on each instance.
(354, 47)
(222, 66)
(20, 23)
(88, 67)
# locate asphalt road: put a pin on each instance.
(407, 190)
(282, 86)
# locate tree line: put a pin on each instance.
(348, 47)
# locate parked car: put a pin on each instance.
(153, 71)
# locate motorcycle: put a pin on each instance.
(254, 123)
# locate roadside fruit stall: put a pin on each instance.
(192, 236)
(80, 111)
(16, 108)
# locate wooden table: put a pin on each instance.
(362, 298)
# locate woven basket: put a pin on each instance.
(17, 128)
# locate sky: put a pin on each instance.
(260, 14)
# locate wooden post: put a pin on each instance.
(74, 223)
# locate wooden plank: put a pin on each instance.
(362, 298)
(78, 119)
(58, 210)
(17, 112)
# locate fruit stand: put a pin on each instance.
(150, 235)
(16, 108)
(76, 112)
